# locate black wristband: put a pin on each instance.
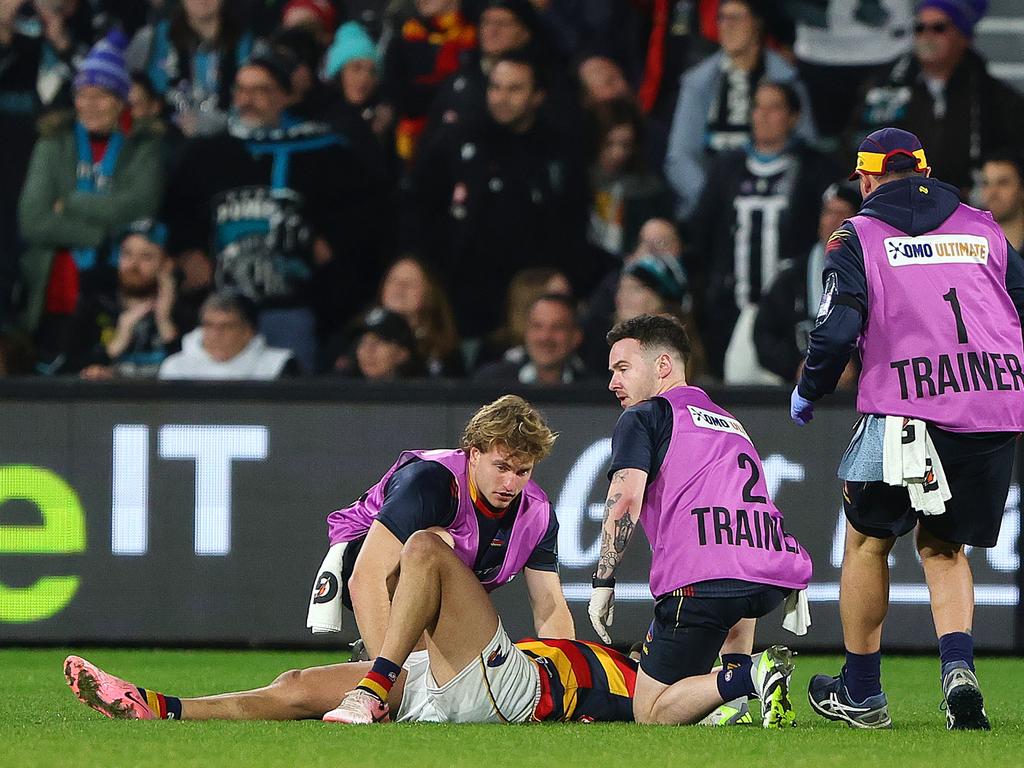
(609, 582)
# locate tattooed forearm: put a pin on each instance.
(623, 530)
(609, 559)
(609, 505)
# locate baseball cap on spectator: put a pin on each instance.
(965, 14)
(888, 150)
(151, 229)
(666, 277)
(844, 191)
(350, 43)
(324, 12)
(104, 66)
(388, 326)
(277, 62)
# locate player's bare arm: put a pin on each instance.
(551, 616)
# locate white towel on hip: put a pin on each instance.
(909, 459)
(325, 608)
(798, 612)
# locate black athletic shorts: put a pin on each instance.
(978, 469)
(687, 632)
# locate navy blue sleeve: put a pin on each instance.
(545, 554)
(1015, 280)
(641, 437)
(418, 496)
(841, 315)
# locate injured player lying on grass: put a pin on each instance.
(470, 672)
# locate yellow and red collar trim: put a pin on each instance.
(874, 163)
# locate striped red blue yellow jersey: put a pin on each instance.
(582, 681)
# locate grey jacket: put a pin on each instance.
(685, 161)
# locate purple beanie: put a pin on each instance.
(104, 66)
(964, 14)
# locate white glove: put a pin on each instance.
(602, 611)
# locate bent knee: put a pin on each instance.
(423, 545)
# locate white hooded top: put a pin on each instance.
(257, 361)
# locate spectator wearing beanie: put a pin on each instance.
(942, 92)
(191, 58)
(91, 173)
(352, 68)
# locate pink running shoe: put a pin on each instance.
(110, 696)
(359, 707)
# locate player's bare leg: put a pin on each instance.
(295, 695)
(436, 594)
(298, 694)
(439, 595)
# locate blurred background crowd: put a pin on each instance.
(250, 189)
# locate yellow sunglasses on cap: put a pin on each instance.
(873, 163)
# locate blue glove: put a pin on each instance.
(801, 410)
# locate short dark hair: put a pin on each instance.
(789, 93)
(654, 331)
(1010, 158)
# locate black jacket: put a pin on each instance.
(488, 203)
(982, 115)
(258, 227)
(899, 204)
(780, 331)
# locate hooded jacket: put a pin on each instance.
(899, 205)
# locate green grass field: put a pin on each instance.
(42, 724)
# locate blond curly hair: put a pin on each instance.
(513, 424)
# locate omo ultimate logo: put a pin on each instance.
(936, 249)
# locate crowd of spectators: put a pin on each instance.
(479, 189)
